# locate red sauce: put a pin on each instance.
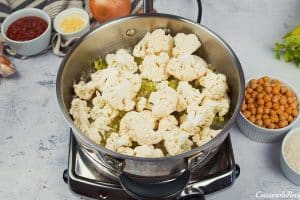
(26, 28)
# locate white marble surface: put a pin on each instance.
(34, 136)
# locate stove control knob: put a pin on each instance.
(103, 195)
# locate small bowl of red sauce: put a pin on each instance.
(27, 31)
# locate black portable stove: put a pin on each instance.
(85, 180)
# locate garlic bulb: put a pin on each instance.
(6, 67)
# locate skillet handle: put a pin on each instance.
(148, 6)
(155, 190)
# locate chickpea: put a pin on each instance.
(266, 110)
(269, 105)
(260, 81)
(258, 116)
(275, 106)
(295, 113)
(253, 84)
(290, 118)
(254, 94)
(289, 93)
(260, 96)
(271, 126)
(294, 105)
(283, 123)
(279, 112)
(283, 89)
(252, 119)
(259, 122)
(260, 88)
(275, 90)
(253, 111)
(275, 99)
(273, 112)
(250, 100)
(266, 79)
(244, 106)
(260, 102)
(249, 90)
(283, 117)
(267, 121)
(264, 116)
(282, 100)
(250, 106)
(267, 98)
(260, 110)
(268, 89)
(247, 114)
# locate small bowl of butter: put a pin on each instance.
(72, 23)
(290, 156)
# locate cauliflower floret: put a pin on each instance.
(102, 110)
(141, 104)
(167, 123)
(115, 141)
(148, 151)
(139, 126)
(84, 90)
(185, 44)
(215, 85)
(93, 134)
(154, 43)
(187, 95)
(81, 114)
(205, 135)
(154, 67)
(135, 79)
(164, 100)
(187, 67)
(177, 141)
(122, 60)
(126, 151)
(106, 78)
(198, 116)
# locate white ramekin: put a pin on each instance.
(70, 11)
(287, 170)
(29, 47)
(261, 134)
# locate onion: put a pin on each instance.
(104, 10)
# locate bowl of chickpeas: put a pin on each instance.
(269, 110)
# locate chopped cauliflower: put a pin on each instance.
(93, 134)
(84, 90)
(215, 85)
(164, 100)
(205, 135)
(106, 78)
(154, 43)
(102, 110)
(187, 95)
(115, 141)
(198, 116)
(148, 151)
(154, 67)
(80, 113)
(167, 123)
(177, 141)
(126, 151)
(141, 104)
(122, 60)
(187, 67)
(139, 126)
(185, 44)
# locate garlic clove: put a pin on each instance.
(6, 67)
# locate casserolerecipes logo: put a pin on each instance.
(279, 195)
